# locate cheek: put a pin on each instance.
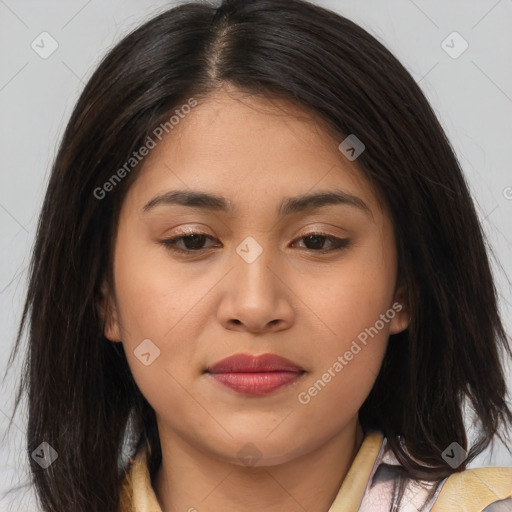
(347, 359)
(159, 304)
(353, 296)
(334, 395)
(354, 304)
(151, 295)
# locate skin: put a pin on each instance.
(291, 301)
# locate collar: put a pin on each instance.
(137, 494)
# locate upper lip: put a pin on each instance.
(247, 363)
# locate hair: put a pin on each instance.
(82, 398)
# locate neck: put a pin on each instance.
(191, 480)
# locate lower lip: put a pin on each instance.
(260, 383)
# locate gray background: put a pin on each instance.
(471, 94)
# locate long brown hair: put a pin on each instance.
(81, 395)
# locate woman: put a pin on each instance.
(258, 265)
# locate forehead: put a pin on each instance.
(229, 122)
(249, 146)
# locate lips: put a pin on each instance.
(246, 363)
(255, 375)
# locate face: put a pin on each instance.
(255, 271)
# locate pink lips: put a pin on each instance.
(255, 375)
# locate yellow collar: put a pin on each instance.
(137, 494)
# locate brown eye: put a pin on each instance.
(315, 241)
(193, 242)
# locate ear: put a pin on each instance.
(109, 315)
(400, 306)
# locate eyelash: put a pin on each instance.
(339, 243)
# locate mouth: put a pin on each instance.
(255, 375)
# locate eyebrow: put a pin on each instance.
(288, 206)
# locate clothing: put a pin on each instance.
(369, 486)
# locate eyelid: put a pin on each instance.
(310, 230)
(338, 242)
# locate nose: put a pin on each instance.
(256, 297)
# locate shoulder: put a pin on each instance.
(126, 488)
(476, 490)
(487, 489)
(136, 492)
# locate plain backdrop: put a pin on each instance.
(471, 94)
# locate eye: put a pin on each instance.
(194, 241)
(318, 239)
